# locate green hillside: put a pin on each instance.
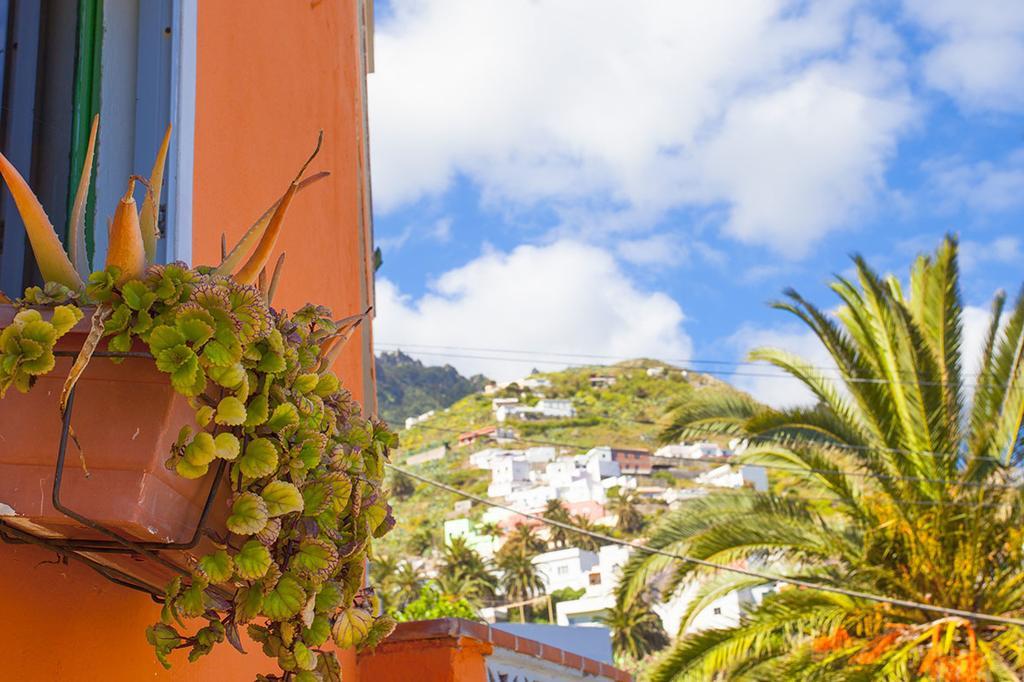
(613, 415)
(406, 387)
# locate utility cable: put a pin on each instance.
(616, 358)
(719, 373)
(796, 582)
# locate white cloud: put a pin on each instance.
(440, 231)
(566, 297)
(667, 250)
(976, 321)
(781, 115)
(978, 55)
(770, 385)
(983, 186)
(974, 254)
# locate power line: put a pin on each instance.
(797, 582)
(618, 358)
(712, 372)
(776, 467)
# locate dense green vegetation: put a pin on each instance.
(407, 388)
(624, 414)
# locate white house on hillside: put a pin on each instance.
(729, 476)
(600, 463)
(691, 451)
(508, 474)
(485, 459)
(570, 567)
(546, 408)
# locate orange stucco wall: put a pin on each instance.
(270, 74)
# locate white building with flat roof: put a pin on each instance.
(691, 450)
(570, 567)
(732, 476)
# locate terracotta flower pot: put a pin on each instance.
(126, 417)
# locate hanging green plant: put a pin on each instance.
(305, 470)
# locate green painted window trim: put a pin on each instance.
(85, 104)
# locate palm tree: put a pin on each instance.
(921, 480)
(520, 579)
(382, 573)
(636, 629)
(624, 504)
(489, 529)
(555, 510)
(463, 566)
(405, 585)
(581, 540)
(523, 540)
(422, 541)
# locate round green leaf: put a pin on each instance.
(248, 602)
(316, 496)
(328, 598)
(271, 363)
(248, 514)
(260, 458)
(285, 600)
(231, 376)
(227, 446)
(252, 561)
(257, 411)
(194, 328)
(163, 338)
(304, 658)
(314, 558)
(351, 626)
(201, 450)
(282, 498)
(217, 567)
(204, 415)
(230, 411)
(186, 469)
(192, 601)
(285, 415)
(327, 384)
(304, 383)
(219, 355)
(64, 318)
(318, 632)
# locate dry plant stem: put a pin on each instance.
(81, 362)
(261, 283)
(223, 246)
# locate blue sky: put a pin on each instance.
(641, 178)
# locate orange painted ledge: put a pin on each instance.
(456, 650)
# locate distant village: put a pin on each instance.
(526, 480)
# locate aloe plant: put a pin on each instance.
(305, 469)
